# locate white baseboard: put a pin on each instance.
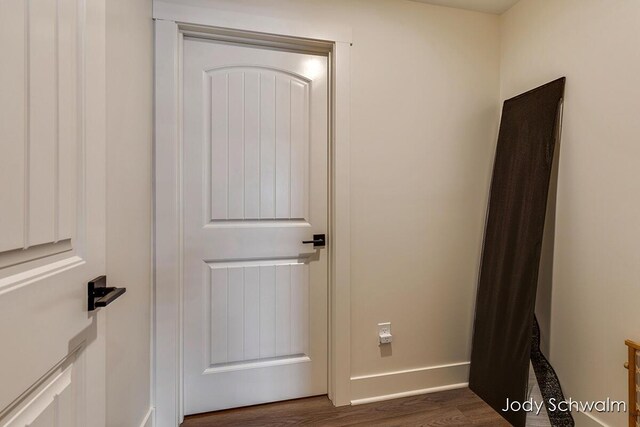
(584, 419)
(148, 419)
(410, 382)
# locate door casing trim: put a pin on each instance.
(167, 389)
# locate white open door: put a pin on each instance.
(255, 188)
(52, 212)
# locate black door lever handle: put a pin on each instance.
(100, 295)
(318, 241)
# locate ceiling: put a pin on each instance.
(489, 6)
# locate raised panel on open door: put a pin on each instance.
(51, 221)
(39, 128)
(54, 403)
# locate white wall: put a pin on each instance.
(424, 116)
(129, 191)
(594, 306)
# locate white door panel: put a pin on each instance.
(255, 186)
(54, 405)
(258, 163)
(51, 210)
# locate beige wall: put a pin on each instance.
(129, 191)
(424, 122)
(424, 116)
(594, 307)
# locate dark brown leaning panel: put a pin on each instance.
(512, 245)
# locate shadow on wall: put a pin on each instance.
(545, 272)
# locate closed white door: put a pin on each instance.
(52, 208)
(255, 187)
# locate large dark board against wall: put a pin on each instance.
(512, 244)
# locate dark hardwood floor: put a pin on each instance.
(448, 408)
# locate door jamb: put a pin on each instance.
(168, 383)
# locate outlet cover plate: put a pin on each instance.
(384, 333)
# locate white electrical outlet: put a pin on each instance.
(384, 333)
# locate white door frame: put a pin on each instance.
(170, 27)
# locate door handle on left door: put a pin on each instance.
(318, 241)
(99, 295)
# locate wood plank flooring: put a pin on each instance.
(448, 408)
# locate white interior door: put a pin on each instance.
(51, 212)
(255, 187)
